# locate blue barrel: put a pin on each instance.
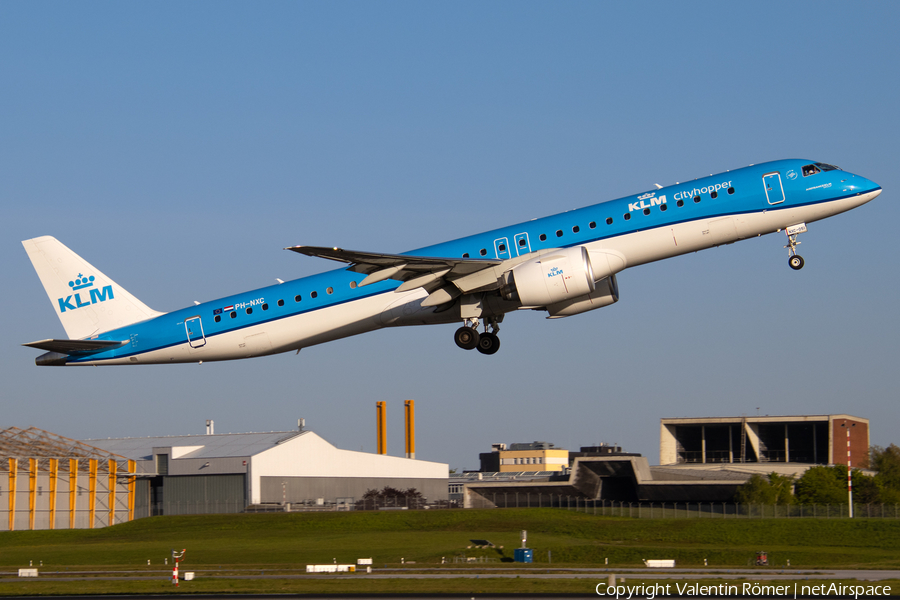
(523, 555)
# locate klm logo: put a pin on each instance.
(92, 296)
(632, 206)
(554, 271)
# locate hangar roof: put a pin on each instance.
(219, 445)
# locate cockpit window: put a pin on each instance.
(827, 167)
(810, 170)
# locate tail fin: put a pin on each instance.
(86, 301)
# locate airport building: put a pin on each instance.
(804, 439)
(701, 460)
(48, 481)
(212, 473)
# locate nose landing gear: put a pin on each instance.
(795, 261)
(468, 338)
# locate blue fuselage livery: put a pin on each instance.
(564, 264)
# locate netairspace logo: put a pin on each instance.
(74, 301)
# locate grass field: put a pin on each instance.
(280, 542)
(426, 537)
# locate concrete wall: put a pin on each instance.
(351, 489)
(309, 456)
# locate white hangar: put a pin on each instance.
(217, 473)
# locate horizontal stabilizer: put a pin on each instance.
(74, 346)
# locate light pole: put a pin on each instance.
(849, 472)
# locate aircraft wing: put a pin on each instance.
(433, 274)
(73, 346)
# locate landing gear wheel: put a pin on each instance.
(488, 343)
(795, 262)
(466, 338)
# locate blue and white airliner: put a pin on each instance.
(564, 264)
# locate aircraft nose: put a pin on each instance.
(861, 185)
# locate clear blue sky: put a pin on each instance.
(180, 146)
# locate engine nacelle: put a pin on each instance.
(552, 278)
(606, 293)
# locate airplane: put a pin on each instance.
(564, 264)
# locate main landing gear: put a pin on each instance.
(468, 338)
(795, 261)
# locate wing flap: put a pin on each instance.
(400, 267)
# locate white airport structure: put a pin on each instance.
(192, 474)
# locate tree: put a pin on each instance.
(774, 489)
(823, 485)
(887, 462)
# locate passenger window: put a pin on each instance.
(233, 314)
(559, 233)
(592, 224)
(265, 307)
(297, 298)
(576, 229)
(482, 252)
(522, 242)
(218, 318)
(329, 291)
(714, 194)
(609, 220)
(663, 207)
(249, 311)
(731, 190)
(501, 248)
(646, 211)
(466, 255)
(281, 303)
(627, 216)
(679, 203)
(352, 285)
(696, 199)
(314, 294)
(543, 237)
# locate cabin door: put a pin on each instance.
(522, 244)
(501, 247)
(194, 329)
(774, 189)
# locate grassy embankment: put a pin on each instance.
(281, 542)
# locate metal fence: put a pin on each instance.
(638, 510)
(728, 510)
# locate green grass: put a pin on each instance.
(573, 539)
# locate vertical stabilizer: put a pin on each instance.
(86, 301)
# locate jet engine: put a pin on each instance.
(606, 292)
(551, 278)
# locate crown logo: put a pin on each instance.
(82, 282)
